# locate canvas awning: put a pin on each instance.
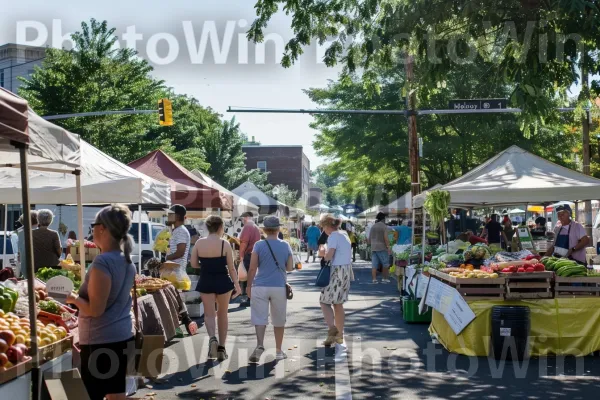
(240, 205)
(186, 188)
(267, 205)
(401, 205)
(515, 177)
(14, 122)
(104, 180)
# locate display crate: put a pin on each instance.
(474, 288)
(56, 349)
(535, 285)
(577, 286)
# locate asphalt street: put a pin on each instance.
(387, 358)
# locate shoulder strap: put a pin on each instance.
(275, 259)
(135, 305)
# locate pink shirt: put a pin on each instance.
(575, 235)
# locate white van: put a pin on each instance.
(10, 258)
(149, 232)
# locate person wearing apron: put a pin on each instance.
(570, 237)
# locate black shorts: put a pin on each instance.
(104, 367)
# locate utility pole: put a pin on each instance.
(413, 139)
(586, 122)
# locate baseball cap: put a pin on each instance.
(178, 209)
(271, 222)
(564, 207)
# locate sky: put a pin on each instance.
(172, 36)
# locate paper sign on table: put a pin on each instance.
(459, 314)
(439, 296)
(59, 288)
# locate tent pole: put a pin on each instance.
(35, 375)
(140, 239)
(80, 223)
(4, 258)
(423, 236)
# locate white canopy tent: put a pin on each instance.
(321, 208)
(516, 177)
(371, 212)
(401, 205)
(267, 205)
(240, 205)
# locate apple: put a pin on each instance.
(3, 346)
(23, 348)
(3, 359)
(8, 337)
(14, 354)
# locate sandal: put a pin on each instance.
(213, 348)
(222, 354)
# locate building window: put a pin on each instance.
(262, 166)
(2, 78)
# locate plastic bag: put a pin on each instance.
(181, 281)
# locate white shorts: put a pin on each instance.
(262, 297)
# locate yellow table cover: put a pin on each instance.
(563, 326)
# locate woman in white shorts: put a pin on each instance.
(267, 279)
(333, 297)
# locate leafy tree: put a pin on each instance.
(285, 195)
(369, 151)
(223, 149)
(94, 76)
(534, 46)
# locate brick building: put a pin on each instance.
(18, 60)
(287, 165)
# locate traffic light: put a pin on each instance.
(165, 112)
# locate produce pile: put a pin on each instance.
(45, 274)
(15, 339)
(472, 274)
(149, 284)
(87, 244)
(70, 265)
(477, 251)
(8, 299)
(565, 268)
(161, 243)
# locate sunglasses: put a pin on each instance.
(96, 224)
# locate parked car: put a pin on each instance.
(10, 258)
(149, 232)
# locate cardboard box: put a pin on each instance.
(66, 385)
(90, 253)
(149, 357)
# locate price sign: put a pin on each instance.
(59, 288)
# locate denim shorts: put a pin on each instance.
(380, 258)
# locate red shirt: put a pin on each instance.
(250, 235)
(476, 239)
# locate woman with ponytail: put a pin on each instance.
(104, 303)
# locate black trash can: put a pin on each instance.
(510, 332)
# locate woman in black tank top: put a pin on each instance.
(218, 279)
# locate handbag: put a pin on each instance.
(324, 274)
(289, 291)
(242, 272)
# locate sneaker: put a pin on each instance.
(280, 356)
(375, 281)
(222, 354)
(255, 357)
(385, 281)
(245, 303)
(213, 348)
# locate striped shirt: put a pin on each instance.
(178, 236)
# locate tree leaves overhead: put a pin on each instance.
(534, 46)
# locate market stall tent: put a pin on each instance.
(104, 181)
(370, 212)
(267, 205)
(516, 177)
(322, 208)
(186, 188)
(402, 205)
(240, 205)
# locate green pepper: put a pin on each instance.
(13, 294)
(7, 303)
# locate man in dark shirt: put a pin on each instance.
(493, 231)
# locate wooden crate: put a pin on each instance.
(577, 287)
(535, 285)
(474, 288)
(56, 349)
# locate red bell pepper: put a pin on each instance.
(521, 269)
